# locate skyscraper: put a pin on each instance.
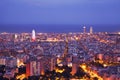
(33, 68)
(33, 35)
(84, 29)
(91, 30)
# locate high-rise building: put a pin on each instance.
(15, 36)
(74, 64)
(33, 68)
(91, 30)
(52, 63)
(28, 69)
(84, 29)
(33, 35)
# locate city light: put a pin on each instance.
(59, 39)
(59, 71)
(19, 63)
(104, 65)
(54, 55)
(118, 32)
(33, 35)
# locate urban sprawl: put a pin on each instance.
(60, 56)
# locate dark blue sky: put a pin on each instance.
(59, 11)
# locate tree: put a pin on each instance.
(95, 78)
(80, 73)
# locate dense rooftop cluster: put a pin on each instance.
(60, 56)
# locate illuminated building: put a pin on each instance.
(16, 36)
(84, 29)
(53, 63)
(74, 64)
(74, 68)
(27, 69)
(91, 30)
(2, 61)
(33, 68)
(100, 56)
(70, 64)
(49, 62)
(33, 35)
(119, 33)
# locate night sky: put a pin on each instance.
(71, 12)
(60, 12)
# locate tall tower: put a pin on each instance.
(91, 30)
(84, 29)
(33, 35)
(15, 36)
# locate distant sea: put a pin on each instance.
(57, 28)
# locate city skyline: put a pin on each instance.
(59, 39)
(51, 56)
(43, 28)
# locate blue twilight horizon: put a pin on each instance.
(59, 12)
